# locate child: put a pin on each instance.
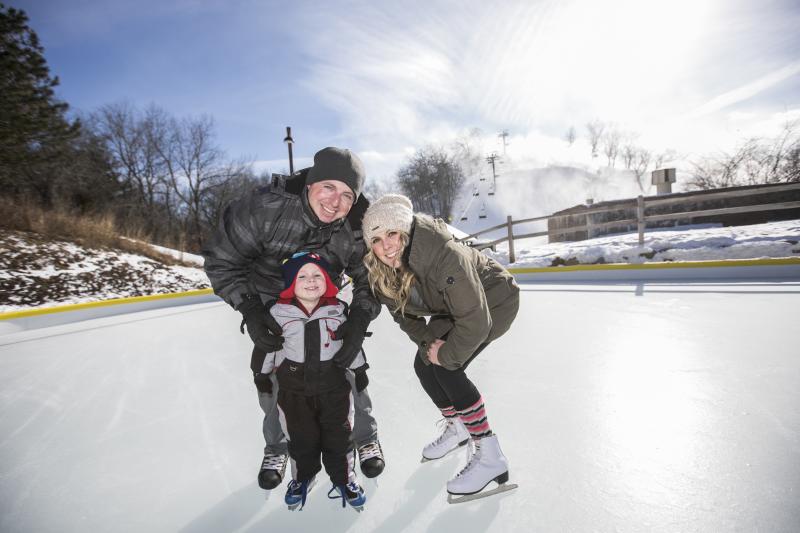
(315, 401)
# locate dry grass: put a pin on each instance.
(97, 231)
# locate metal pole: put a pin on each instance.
(491, 159)
(511, 255)
(503, 135)
(289, 142)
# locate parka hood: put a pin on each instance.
(426, 234)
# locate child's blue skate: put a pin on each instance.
(351, 493)
(296, 493)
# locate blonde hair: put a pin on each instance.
(393, 283)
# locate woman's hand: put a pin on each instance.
(433, 351)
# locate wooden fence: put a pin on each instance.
(642, 218)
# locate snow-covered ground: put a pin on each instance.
(41, 272)
(44, 274)
(656, 407)
(694, 243)
(185, 257)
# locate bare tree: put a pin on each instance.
(193, 163)
(235, 179)
(790, 170)
(134, 141)
(611, 141)
(629, 154)
(781, 156)
(629, 148)
(595, 129)
(639, 165)
(755, 161)
(664, 157)
(466, 152)
(723, 170)
(374, 189)
(174, 177)
(119, 124)
(431, 179)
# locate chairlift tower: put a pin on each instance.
(491, 160)
(504, 135)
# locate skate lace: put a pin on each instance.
(473, 457)
(443, 424)
(273, 462)
(301, 488)
(345, 492)
(370, 450)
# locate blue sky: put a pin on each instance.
(386, 77)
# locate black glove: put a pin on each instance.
(261, 326)
(361, 378)
(264, 383)
(352, 332)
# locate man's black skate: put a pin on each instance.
(370, 456)
(271, 473)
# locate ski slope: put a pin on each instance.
(656, 407)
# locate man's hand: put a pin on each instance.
(263, 329)
(433, 351)
(361, 377)
(263, 382)
(352, 332)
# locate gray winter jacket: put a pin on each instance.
(308, 347)
(258, 232)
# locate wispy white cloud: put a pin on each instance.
(418, 72)
(748, 90)
(384, 77)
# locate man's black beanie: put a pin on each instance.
(338, 164)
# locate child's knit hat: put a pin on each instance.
(389, 212)
(292, 266)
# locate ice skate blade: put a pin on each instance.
(505, 487)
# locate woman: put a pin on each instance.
(418, 270)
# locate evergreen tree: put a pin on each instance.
(35, 135)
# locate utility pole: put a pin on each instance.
(289, 142)
(504, 135)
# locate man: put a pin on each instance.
(243, 261)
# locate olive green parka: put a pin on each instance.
(468, 296)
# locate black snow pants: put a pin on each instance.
(320, 424)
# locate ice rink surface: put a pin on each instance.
(658, 407)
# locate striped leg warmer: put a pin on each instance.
(449, 412)
(474, 418)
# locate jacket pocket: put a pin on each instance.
(291, 376)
